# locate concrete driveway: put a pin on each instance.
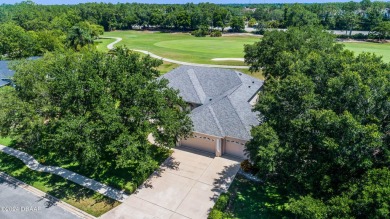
(186, 186)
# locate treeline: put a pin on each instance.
(364, 15)
(31, 29)
(119, 16)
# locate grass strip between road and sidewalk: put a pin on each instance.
(69, 192)
(76, 195)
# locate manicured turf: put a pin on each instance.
(184, 47)
(247, 199)
(74, 194)
(382, 49)
(125, 179)
(101, 44)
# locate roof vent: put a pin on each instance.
(249, 86)
(253, 82)
(240, 73)
(210, 99)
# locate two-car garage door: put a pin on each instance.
(200, 143)
(231, 147)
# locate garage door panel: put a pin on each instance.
(200, 144)
(235, 149)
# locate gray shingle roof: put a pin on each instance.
(224, 97)
(5, 73)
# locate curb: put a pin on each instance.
(55, 201)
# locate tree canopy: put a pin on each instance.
(94, 108)
(35, 29)
(325, 124)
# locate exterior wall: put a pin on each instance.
(234, 147)
(216, 145)
(202, 142)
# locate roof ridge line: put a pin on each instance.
(216, 120)
(235, 111)
(197, 86)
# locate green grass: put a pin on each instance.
(167, 67)
(184, 47)
(127, 179)
(247, 199)
(258, 75)
(101, 44)
(121, 178)
(5, 141)
(381, 49)
(69, 192)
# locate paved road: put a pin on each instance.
(186, 186)
(67, 174)
(17, 203)
(118, 39)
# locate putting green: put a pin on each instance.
(184, 47)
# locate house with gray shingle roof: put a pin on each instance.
(6, 73)
(221, 101)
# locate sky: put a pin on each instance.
(51, 2)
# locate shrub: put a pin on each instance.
(215, 214)
(246, 165)
(216, 33)
(219, 207)
(358, 36)
(201, 32)
(130, 187)
(222, 202)
(259, 31)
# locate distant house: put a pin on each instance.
(249, 9)
(5, 73)
(221, 101)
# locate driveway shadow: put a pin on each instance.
(225, 179)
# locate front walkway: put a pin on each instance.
(186, 186)
(67, 174)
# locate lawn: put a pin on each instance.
(183, 46)
(247, 199)
(69, 192)
(101, 44)
(121, 178)
(382, 49)
(72, 193)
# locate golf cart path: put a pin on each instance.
(118, 39)
(66, 174)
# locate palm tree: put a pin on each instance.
(79, 37)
